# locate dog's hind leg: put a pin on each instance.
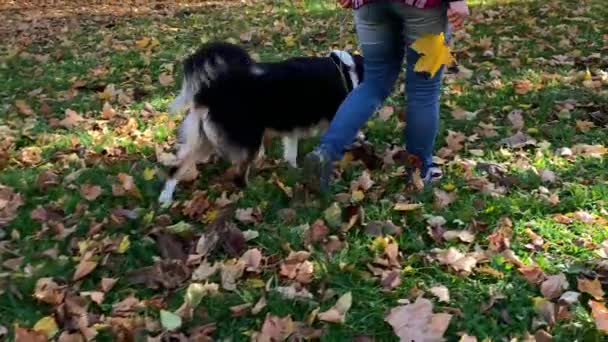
(290, 150)
(194, 147)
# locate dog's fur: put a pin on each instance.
(234, 101)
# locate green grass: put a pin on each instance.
(530, 31)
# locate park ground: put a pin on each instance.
(518, 220)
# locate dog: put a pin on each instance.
(233, 102)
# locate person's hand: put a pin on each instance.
(346, 3)
(457, 12)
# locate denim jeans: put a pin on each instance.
(385, 31)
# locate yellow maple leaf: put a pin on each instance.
(434, 53)
(47, 325)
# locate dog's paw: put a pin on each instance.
(166, 196)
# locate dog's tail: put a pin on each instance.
(205, 66)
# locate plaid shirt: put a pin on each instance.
(417, 3)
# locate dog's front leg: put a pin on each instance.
(290, 150)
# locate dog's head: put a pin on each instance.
(352, 64)
(215, 58)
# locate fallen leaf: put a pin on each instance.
(441, 292)
(24, 108)
(204, 271)
(462, 235)
(291, 292)
(317, 232)
(84, 268)
(165, 79)
(407, 206)
(47, 326)
(457, 260)
(249, 215)
(443, 198)
(49, 292)
(533, 274)
(592, 287)
(467, 338)
(363, 183)
(517, 120)
(333, 215)
(434, 53)
(167, 274)
(584, 126)
(569, 297)
(386, 112)
(252, 259)
(297, 267)
(89, 191)
(231, 271)
(522, 87)
(259, 306)
(169, 320)
(25, 335)
(275, 328)
(107, 112)
(10, 202)
(518, 140)
(547, 176)
(600, 314)
(390, 279)
(71, 119)
(553, 286)
(337, 313)
(417, 322)
(454, 140)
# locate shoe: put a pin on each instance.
(317, 168)
(433, 174)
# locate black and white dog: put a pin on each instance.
(233, 102)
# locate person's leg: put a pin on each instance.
(422, 91)
(380, 38)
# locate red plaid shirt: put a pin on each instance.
(417, 3)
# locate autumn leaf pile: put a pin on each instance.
(511, 244)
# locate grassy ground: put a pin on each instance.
(528, 56)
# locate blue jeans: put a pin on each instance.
(385, 31)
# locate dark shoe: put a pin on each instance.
(317, 169)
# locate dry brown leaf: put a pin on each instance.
(467, 338)
(275, 329)
(25, 335)
(49, 292)
(533, 274)
(386, 112)
(24, 108)
(165, 79)
(297, 267)
(390, 279)
(500, 239)
(462, 235)
(363, 183)
(83, 269)
(457, 260)
(440, 292)
(454, 140)
(337, 313)
(417, 322)
(316, 233)
(584, 126)
(443, 198)
(554, 285)
(600, 314)
(517, 120)
(547, 176)
(71, 119)
(592, 287)
(522, 87)
(107, 112)
(252, 259)
(108, 283)
(249, 215)
(461, 114)
(407, 206)
(9, 204)
(204, 271)
(291, 292)
(90, 192)
(231, 272)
